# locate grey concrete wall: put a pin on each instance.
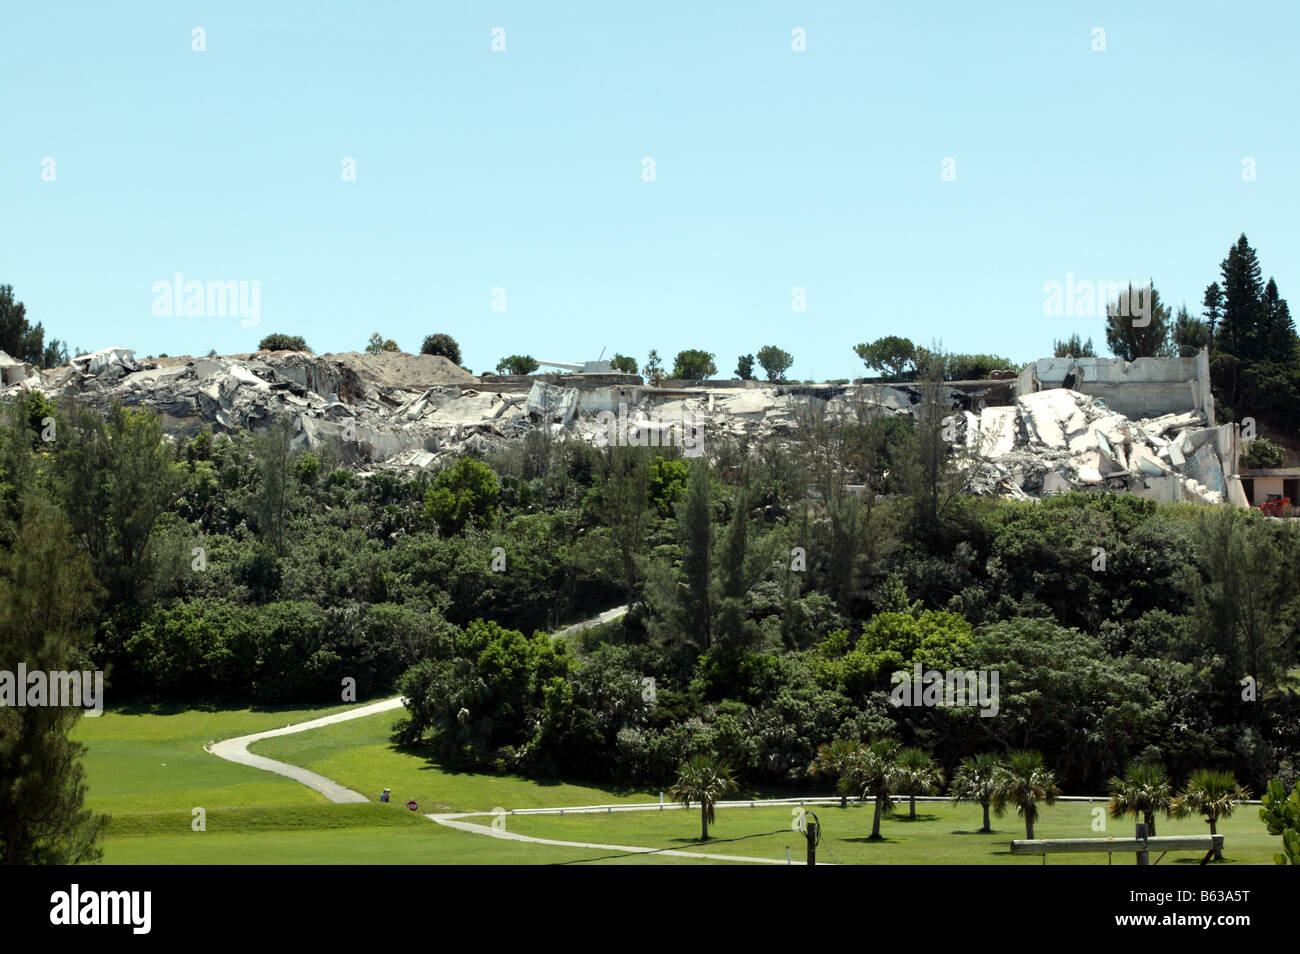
(1146, 387)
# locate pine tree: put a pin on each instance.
(46, 588)
(1277, 338)
(695, 526)
(1243, 290)
(1213, 304)
(1128, 340)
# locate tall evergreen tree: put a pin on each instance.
(1243, 289)
(1212, 302)
(1276, 338)
(695, 526)
(46, 589)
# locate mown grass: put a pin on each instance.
(360, 755)
(151, 758)
(942, 834)
(324, 834)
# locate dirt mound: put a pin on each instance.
(396, 369)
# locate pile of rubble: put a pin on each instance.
(1057, 440)
(412, 411)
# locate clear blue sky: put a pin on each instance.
(523, 169)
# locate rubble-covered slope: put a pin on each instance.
(410, 411)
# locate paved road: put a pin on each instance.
(236, 750)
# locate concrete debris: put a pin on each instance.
(1063, 440)
(420, 411)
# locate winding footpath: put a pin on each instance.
(236, 750)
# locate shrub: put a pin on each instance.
(444, 345)
(279, 342)
(1263, 454)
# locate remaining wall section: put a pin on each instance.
(1146, 387)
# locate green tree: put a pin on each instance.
(1212, 794)
(1189, 334)
(654, 369)
(1143, 791)
(705, 780)
(975, 780)
(274, 499)
(1276, 332)
(622, 505)
(280, 342)
(115, 480)
(1132, 335)
(1073, 347)
(975, 367)
(774, 362)
(1243, 289)
(891, 353)
(442, 344)
(745, 367)
(1243, 601)
(465, 493)
(18, 337)
(46, 594)
(1281, 814)
(693, 365)
(379, 344)
(666, 484)
(517, 364)
(917, 775)
(1212, 302)
(873, 773)
(621, 362)
(1262, 454)
(833, 761)
(1024, 782)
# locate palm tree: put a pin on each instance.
(917, 775)
(1144, 790)
(703, 779)
(975, 780)
(1212, 794)
(872, 773)
(833, 759)
(1024, 782)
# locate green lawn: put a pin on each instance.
(942, 834)
(323, 833)
(359, 755)
(147, 766)
(151, 758)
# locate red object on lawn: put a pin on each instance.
(411, 805)
(1277, 508)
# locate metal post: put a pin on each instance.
(1143, 858)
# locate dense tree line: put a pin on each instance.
(773, 592)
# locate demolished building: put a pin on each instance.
(1143, 427)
